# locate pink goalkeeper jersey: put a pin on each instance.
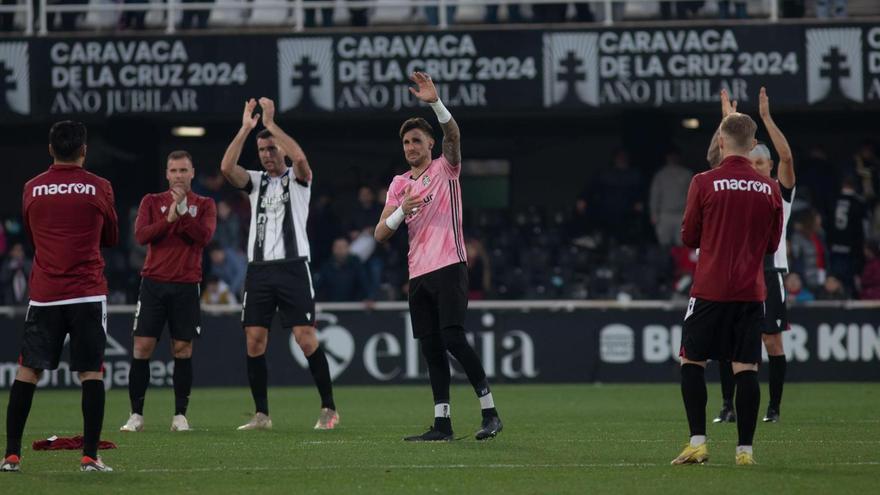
(435, 234)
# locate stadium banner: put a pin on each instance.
(516, 346)
(496, 71)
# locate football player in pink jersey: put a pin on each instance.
(428, 199)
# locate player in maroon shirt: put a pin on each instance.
(69, 215)
(734, 216)
(176, 225)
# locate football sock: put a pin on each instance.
(138, 381)
(728, 385)
(93, 415)
(21, 396)
(442, 420)
(778, 367)
(321, 374)
(693, 391)
(438, 373)
(258, 377)
(748, 399)
(455, 341)
(183, 378)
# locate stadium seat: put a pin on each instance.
(270, 16)
(229, 17)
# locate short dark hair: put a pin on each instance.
(264, 134)
(67, 138)
(179, 155)
(417, 123)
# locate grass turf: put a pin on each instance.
(557, 439)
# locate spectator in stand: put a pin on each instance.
(312, 14)
(546, 13)
(866, 166)
(479, 271)
(69, 20)
(195, 19)
(133, 19)
(846, 234)
(360, 17)
(514, 15)
(739, 7)
(683, 9)
(14, 276)
(618, 198)
(229, 265)
(343, 277)
(808, 249)
(870, 279)
(211, 184)
(832, 290)
(228, 233)
(433, 15)
(819, 179)
(217, 292)
(582, 227)
(795, 289)
(669, 190)
(831, 8)
(323, 226)
(364, 215)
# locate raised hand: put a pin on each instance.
(426, 90)
(410, 203)
(764, 104)
(268, 107)
(248, 118)
(727, 107)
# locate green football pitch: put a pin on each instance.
(557, 439)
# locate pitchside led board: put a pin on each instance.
(499, 71)
(549, 345)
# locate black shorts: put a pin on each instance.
(176, 304)
(46, 327)
(438, 299)
(285, 286)
(722, 331)
(777, 311)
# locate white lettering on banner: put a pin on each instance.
(795, 344)
(710, 40)
(874, 38)
(130, 77)
(379, 346)
(449, 45)
(849, 342)
(524, 354)
(616, 344)
(115, 374)
(660, 344)
(114, 52)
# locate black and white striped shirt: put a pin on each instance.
(279, 211)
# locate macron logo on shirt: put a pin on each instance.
(742, 185)
(51, 189)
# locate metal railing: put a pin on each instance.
(174, 7)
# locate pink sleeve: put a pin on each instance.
(453, 170)
(393, 193)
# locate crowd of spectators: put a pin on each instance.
(360, 16)
(619, 240)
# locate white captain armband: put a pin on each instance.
(395, 219)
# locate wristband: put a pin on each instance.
(440, 110)
(395, 219)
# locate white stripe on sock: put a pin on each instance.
(487, 402)
(441, 410)
(743, 448)
(697, 440)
